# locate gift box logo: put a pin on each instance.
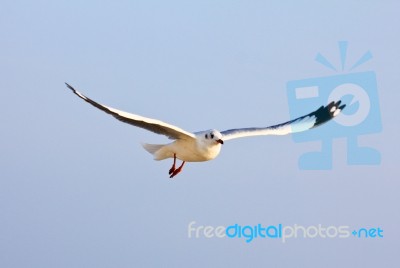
(360, 117)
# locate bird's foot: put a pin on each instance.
(172, 170)
(177, 171)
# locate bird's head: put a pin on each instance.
(212, 136)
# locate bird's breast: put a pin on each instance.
(210, 152)
(194, 152)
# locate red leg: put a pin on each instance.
(179, 169)
(172, 169)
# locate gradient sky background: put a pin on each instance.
(77, 189)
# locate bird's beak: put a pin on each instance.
(220, 141)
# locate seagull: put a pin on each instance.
(206, 145)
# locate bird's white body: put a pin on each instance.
(199, 149)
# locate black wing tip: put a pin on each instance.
(326, 113)
(69, 86)
(72, 88)
(77, 93)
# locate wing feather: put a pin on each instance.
(149, 124)
(303, 123)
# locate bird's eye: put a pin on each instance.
(212, 136)
(206, 136)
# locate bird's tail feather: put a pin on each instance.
(152, 148)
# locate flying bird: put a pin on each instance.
(206, 145)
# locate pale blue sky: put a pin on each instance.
(77, 189)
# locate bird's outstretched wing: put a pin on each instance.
(311, 120)
(152, 125)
